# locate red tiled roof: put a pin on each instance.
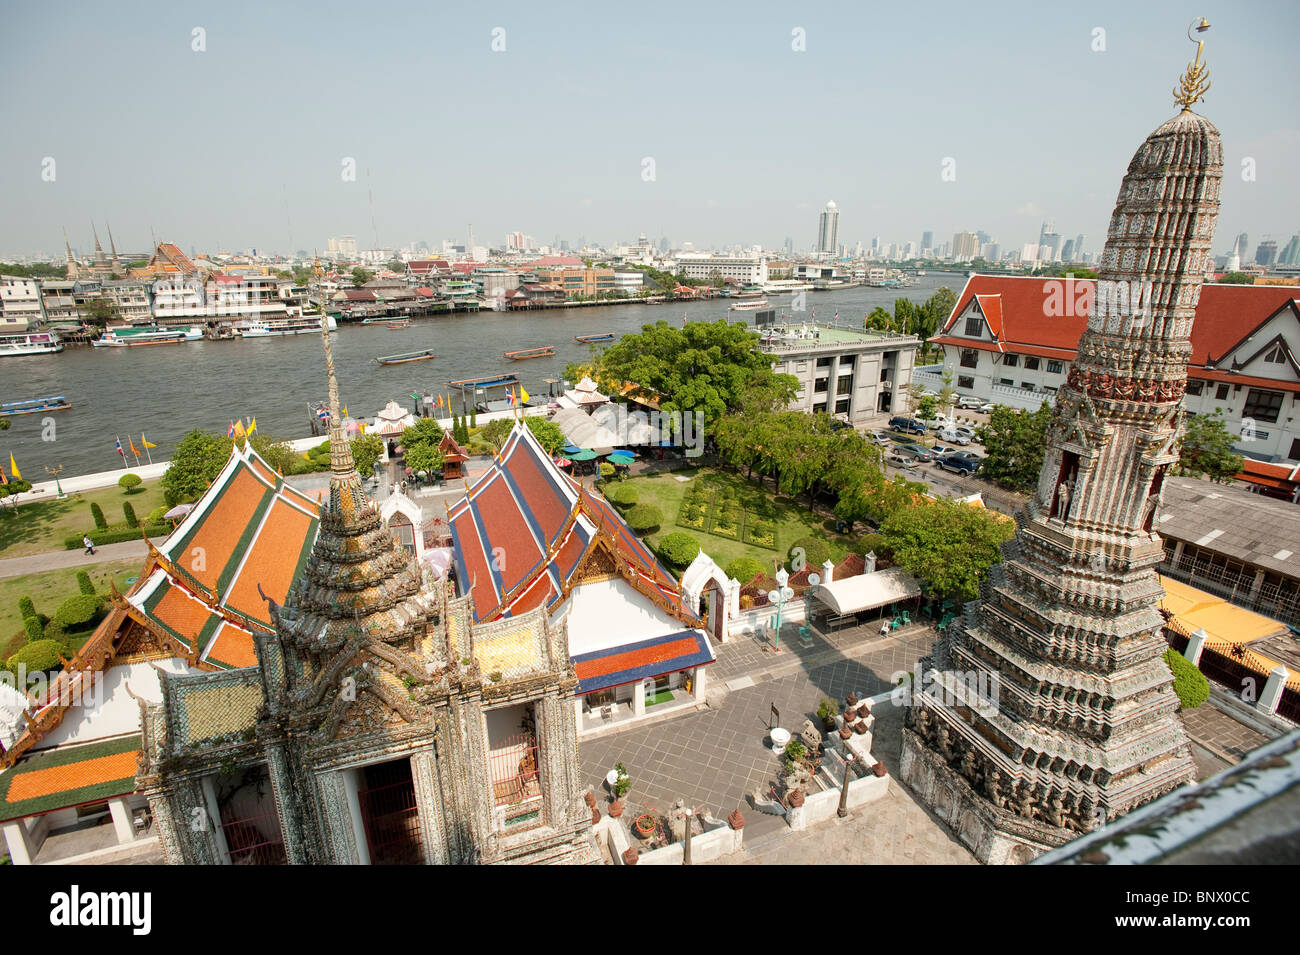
(1225, 315)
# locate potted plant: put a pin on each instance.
(645, 825)
(826, 712)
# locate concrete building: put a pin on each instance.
(20, 304)
(132, 297)
(965, 246)
(1011, 339)
(828, 230)
(579, 281)
(59, 301)
(748, 269)
(850, 374)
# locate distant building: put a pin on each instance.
(1266, 253)
(579, 281)
(927, 241)
(20, 304)
(853, 375)
(828, 230)
(965, 246)
(749, 269)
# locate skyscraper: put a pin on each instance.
(1266, 252)
(927, 240)
(1242, 249)
(1046, 709)
(1078, 247)
(1290, 254)
(828, 230)
(965, 246)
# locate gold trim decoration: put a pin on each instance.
(1194, 83)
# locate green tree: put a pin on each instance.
(678, 549)
(926, 407)
(198, 459)
(424, 431)
(496, 431)
(1236, 278)
(420, 445)
(744, 569)
(879, 319)
(129, 482)
(1015, 444)
(424, 457)
(715, 278)
(366, 450)
(906, 315)
(947, 393)
(100, 311)
(948, 545)
(931, 316)
(361, 276)
(397, 265)
(1205, 449)
(643, 518)
(547, 433)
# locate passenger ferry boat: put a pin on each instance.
(35, 406)
(400, 323)
(275, 327)
(542, 351)
(748, 306)
(126, 337)
(33, 343)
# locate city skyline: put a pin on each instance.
(246, 142)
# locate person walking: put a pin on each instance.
(90, 544)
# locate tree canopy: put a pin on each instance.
(198, 459)
(1205, 449)
(420, 445)
(1015, 444)
(948, 545)
(703, 366)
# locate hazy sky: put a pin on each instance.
(241, 145)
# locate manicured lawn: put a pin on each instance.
(792, 520)
(40, 526)
(48, 590)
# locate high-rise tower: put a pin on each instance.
(1047, 708)
(828, 230)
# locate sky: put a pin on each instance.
(228, 127)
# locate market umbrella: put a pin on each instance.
(584, 455)
(602, 451)
(624, 452)
(562, 462)
(621, 459)
(180, 510)
(570, 449)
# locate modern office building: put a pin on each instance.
(748, 269)
(828, 230)
(965, 246)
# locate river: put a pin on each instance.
(165, 391)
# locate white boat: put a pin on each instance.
(272, 328)
(134, 338)
(748, 306)
(33, 343)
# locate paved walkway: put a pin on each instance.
(59, 559)
(1220, 733)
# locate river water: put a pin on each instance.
(162, 392)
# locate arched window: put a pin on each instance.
(401, 527)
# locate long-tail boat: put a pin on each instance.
(407, 356)
(592, 339)
(542, 351)
(35, 406)
(400, 323)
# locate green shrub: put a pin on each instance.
(761, 534)
(33, 627)
(98, 514)
(744, 569)
(84, 584)
(38, 657)
(644, 517)
(1190, 684)
(827, 710)
(679, 549)
(606, 470)
(129, 513)
(128, 482)
(26, 608)
(77, 610)
(156, 515)
(813, 550)
(118, 534)
(621, 495)
(55, 631)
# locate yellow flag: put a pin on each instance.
(146, 443)
(345, 412)
(523, 393)
(239, 428)
(362, 426)
(13, 468)
(252, 425)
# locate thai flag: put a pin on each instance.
(322, 414)
(510, 396)
(230, 433)
(119, 449)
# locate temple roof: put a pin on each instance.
(524, 528)
(249, 532)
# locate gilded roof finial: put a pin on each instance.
(1193, 84)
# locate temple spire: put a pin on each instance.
(112, 245)
(341, 463)
(99, 249)
(1195, 82)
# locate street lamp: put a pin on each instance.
(58, 488)
(779, 597)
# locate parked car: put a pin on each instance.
(954, 435)
(883, 438)
(917, 452)
(958, 463)
(986, 408)
(936, 424)
(970, 402)
(906, 425)
(900, 460)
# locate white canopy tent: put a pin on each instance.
(867, 591)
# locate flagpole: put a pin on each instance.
(147, 455)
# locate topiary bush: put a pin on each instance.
(129, 513)
(808, 552)
(26, 608)
(1190, 684)
(98, 514)
(744, 569)
(621, 495)
(644, 517)
(679, 549)
(83, 608)
(129, 482)
(38, 657)
(156, 515)
(35, 630)
(84, 584)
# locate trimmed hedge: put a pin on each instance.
(38, 656)
(26, 608)
(129, 513)
(1190, 684)
(621, 495)
(97, 513)
(644, 517)
(84, 584)
(128, 482)
(33, 627)
(118, 534)
(679, 549)
(77, 610)
(815, 553)
(744, 569)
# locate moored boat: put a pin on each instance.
(400, 323)
(35, 406)
(485, 382)
(542, 351)
(592, 339)
(271, 328)
(33, 343)
(408, 356)
(748, 306)
(138, 337)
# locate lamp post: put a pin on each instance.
(779, 597)
(58, 488)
